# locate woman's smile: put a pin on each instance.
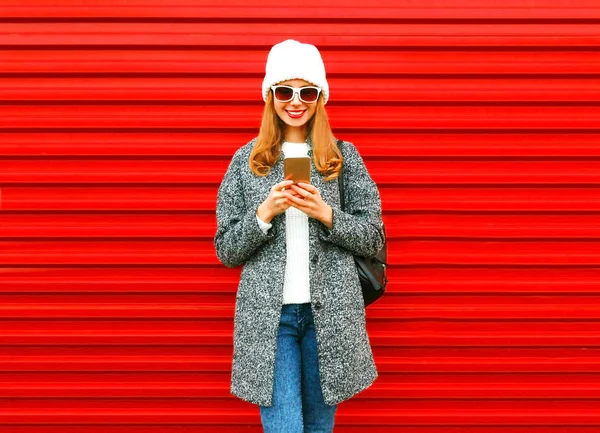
(295, 114)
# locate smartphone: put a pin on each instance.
(297, 168)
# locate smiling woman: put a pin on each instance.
(300, 340)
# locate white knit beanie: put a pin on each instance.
(291, 59)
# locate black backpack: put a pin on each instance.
(371, 270)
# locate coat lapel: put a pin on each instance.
(329, 192)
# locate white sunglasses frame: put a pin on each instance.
(296, 90)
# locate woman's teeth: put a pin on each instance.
(295, 113)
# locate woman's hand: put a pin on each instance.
(276, 202)
(308, 200)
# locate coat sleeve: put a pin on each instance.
(359, 227)
(238, 233)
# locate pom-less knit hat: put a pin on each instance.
(291, 59)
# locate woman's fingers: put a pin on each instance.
(304, 197)
(308, 187)
(279, 186)
(299, 201)
(285, 194)
(300, 191)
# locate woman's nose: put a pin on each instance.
(296, 99)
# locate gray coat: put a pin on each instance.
(345, 358)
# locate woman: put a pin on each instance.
(300, 343)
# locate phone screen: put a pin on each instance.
(297, 169)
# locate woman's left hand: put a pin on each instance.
(311, 203)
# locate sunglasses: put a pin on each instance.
(306, 94)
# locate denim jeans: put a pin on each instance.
(298, 405)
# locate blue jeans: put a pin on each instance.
(298, 405)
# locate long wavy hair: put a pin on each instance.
(267, 149)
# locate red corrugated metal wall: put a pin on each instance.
(478, 119)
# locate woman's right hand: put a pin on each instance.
(276, 202)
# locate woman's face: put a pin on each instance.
(295, 113)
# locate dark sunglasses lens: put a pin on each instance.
(309, 95)
(283, 93)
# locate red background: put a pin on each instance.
(478, 120)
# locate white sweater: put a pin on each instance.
(296, 286)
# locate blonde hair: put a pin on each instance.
(267, 148)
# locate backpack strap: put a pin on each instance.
(341, 177)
